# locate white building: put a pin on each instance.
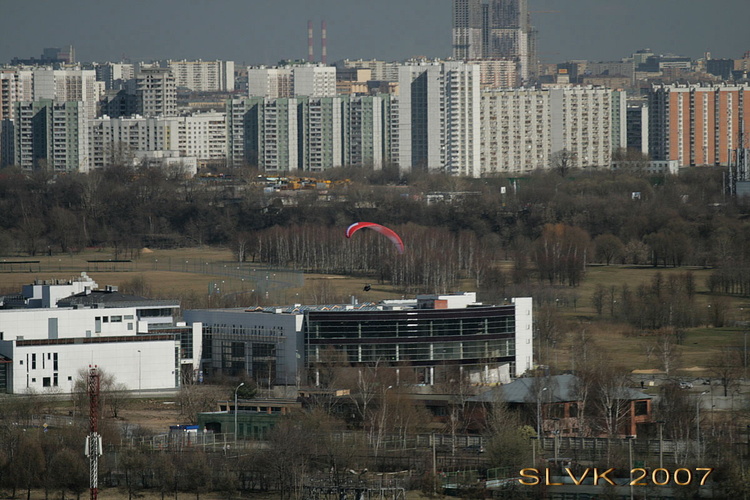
(203, 135)
(309, 80)
(277, 345)
(120, 140)
(47, 343)
(515, 131)
(203, 76)
(522, 129)
(439, 118)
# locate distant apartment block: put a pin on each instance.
(320, 133)
(522, 129)
(309, 134)
(516, 135)
(697, 125)
(156, 92)
(363, 131)
(203, 76)
(310, 80)
(497, 73)
(50, 135)
(127, 141)
(637, 126)
(439, 118)
(114, 75)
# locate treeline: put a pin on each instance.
(550, 226)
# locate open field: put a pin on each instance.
(194, 275)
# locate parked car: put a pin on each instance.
(474, 448)
(686, 385)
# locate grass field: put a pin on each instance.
(194, 275)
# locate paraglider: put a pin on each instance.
(389, 233)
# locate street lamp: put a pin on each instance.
(698, 421)
(660, 423)
(235, 413)
(630, 457)
(139, 373)
(539, 413)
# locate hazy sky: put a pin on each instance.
(265, 31)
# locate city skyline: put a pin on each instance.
(233, 30)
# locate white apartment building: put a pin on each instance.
(203, 135)
(156, 92)
(272, 83)
(129, 140)
(381, 70)
(439, 118)
(515, 131)
(522, 129)
(581, 123)
(203, 76)
(121, 140)
(309, 80)
(497, 73)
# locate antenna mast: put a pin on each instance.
(93, 440)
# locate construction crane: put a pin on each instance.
(93, 448)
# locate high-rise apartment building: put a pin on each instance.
(320, 133)
(203, 76)
(363, 131)
(439, 118)
(303, 80)
(523, 129)
(494, 29)
(156, 92)
(114, 75)
(118, 141)
(698, 125)
(50, 135)
(264, 133)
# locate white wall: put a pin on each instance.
(524, 335)
(151, 368)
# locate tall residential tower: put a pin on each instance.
(494, 29)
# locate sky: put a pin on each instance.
(265, 31)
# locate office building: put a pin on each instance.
(54, 330)
(439, 118)
(278, 345)
(697, 125)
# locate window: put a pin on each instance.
(116, 319)
(46, 382)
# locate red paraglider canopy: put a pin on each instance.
(389, 233)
